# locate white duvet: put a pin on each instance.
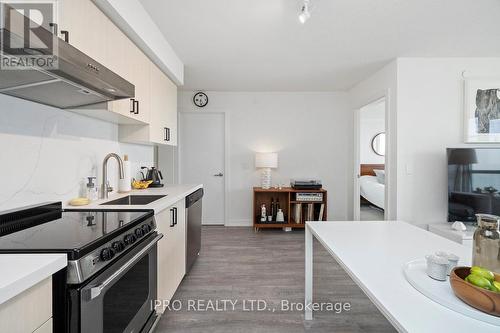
(372, 190)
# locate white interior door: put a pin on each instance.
(202, 160)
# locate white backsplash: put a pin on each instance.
(47, 153)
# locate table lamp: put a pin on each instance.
(266, 161)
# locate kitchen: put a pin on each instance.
(164, 179)
(80, 208)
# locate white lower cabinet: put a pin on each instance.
(171, 223)
(30, 311)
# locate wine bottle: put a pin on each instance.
(273, 209)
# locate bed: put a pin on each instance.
(371, 189)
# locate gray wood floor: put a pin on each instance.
(238, 264)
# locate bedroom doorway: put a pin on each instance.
(370, 162)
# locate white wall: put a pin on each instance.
(312, 132)
(45, 153)
(371, 123)
(430, 119)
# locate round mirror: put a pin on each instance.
(378, 144)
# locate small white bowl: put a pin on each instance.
(452, 260)
(437, 267)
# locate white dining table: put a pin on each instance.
(373, 254)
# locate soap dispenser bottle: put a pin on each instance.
(92, 192)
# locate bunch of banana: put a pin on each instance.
(141, 184)
(79, 202)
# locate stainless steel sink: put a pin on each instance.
(135, 200)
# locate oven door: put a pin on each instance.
(120, 299)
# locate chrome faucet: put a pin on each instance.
(106, 188)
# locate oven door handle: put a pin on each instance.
(96, 291)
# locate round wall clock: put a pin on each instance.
(200, 99)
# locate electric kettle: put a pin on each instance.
(154, 175)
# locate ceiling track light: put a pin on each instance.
(305, 11)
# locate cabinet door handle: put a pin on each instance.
(132, 105)
(175, 215)
(137, 108)
(54, 27)
(172, 222)
(65, 33)
(167, 133)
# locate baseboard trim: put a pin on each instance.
(206, 221)
(239, 223)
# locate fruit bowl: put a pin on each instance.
(479, 298)
(141, 185)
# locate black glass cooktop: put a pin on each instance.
(52, 230)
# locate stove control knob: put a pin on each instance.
(107, 254)
(129, 239)
(118, 246)
(139, 232)
(146, 228)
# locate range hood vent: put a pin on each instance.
(76, 80)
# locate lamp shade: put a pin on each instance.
(462, 156)
(266, 160)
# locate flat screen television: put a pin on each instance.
(473, 183)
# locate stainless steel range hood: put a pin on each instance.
(77, 80)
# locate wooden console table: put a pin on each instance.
(287, 198)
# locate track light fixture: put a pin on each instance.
(305, 11)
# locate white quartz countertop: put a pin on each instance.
(173, 194)
(22, 271)
(373, 254)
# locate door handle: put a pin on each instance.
(175, 215)
(65, 33)
(220, 174)
(54, 27)
(172, 222)
(136, 103)
(132, 105)
(167, 133)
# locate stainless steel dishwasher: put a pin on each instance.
(193, 230)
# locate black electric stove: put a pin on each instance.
(75, 232)
(111, 263)
(95, 235)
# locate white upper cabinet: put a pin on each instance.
(117, 61)
(83, 25)
(163, 119)
(139, 75)
(150, 117)
(162, 128)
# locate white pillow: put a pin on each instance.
(380, 176)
